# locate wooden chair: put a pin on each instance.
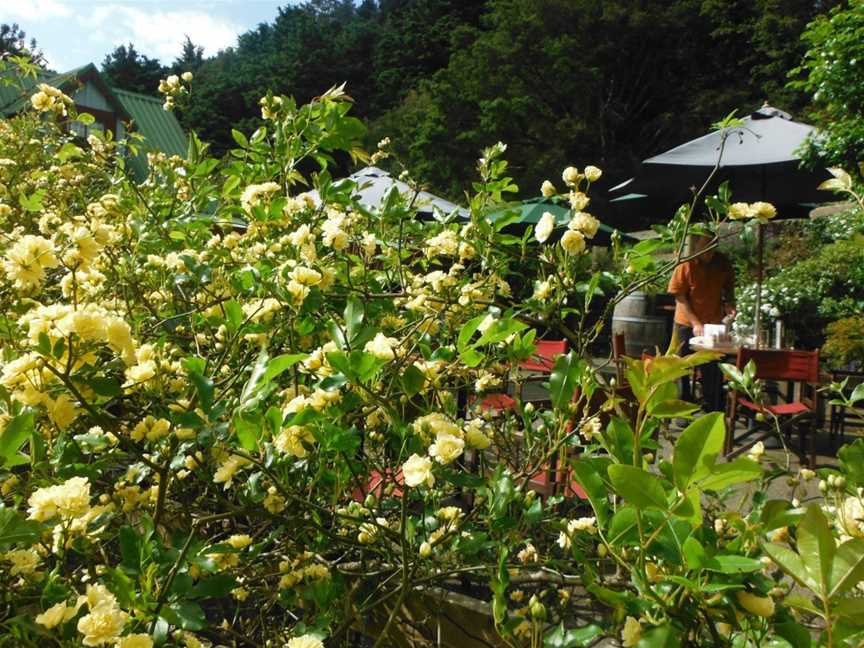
(841, 417)
(801, 370)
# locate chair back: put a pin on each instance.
(782, 364)
(544, 355)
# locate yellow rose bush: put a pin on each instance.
(239, 407)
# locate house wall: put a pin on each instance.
(90, 97)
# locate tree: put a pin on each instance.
(190, 58)
(126, 69)
(576, 81)
(13, 42)
(832, 73)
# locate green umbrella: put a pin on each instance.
(531, 211)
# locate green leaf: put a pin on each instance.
(17, 431)
(205, 388)
(216, 586)
(354, 314)
(129, 549)
(661, 637)
(566, 375)
(801, 603)
(731, 564)
(639, 487)
(412, 380)
(796, 634)
(791, 563)
(559, 637)
(735, 472)
(852, 609)
(673, 408)
(185, 614)
(280, 364)
(248, 431)
(848, 568)
(15, 530)
(233, 315)
(240, 138)
(694, 553)
(86, 118)
(32, 203)
(588, 475)
(697, 449)
(467, 332)
(816, 547)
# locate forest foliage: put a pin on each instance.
(559, 80)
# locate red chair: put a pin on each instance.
(800, 369)
(542, 361)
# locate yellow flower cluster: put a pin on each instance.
(762, 211)
(50, 99)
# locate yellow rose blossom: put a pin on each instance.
(27, 260)
(68, 500)
(592, 173)
(102, 625)
(382, 347)
(631, 633)
(573, 242)
(548, 189)
(228, 470)
(24, 561)
(138, 640)
(446, 448)
(305, 641)
(584, 223)
(544, 227)
(571, 176)
(418, 470)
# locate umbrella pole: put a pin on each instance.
(760, 253)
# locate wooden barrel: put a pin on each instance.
(643, 331)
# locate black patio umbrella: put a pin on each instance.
(759, 159)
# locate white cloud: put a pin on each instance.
(158, 33)
(32, 11)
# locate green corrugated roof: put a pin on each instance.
(160, 127)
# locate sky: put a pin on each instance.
(72, 33)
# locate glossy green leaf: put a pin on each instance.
(791, 563)
(848, 567)
(588, 475)
(638, 487)
(816, 547)
(560, 637)
(722, 476)
(673, 408)
(697, 449)
(15, 530)
(14, 434)
(566, 376)
(412, 380)
(731, 564)
(662, 637)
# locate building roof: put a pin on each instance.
(161, 130)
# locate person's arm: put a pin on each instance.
(679, 287)
(684, 303)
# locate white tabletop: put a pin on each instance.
(703, 344)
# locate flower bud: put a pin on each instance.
(823, 486)
(840, 482)
(538, 610)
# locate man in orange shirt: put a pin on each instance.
(704, 290)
